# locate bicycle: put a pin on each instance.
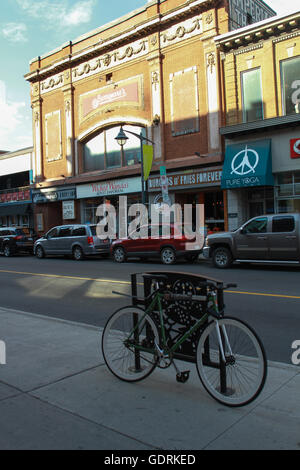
(230, 358)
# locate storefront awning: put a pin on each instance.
(248, 164)
(14, 209)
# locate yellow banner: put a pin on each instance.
(148, 158)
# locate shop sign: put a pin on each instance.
(22, 195)
(247, 165)
(295, 148)
(43, 196)
(68, 210)
(188, 179)
(127, 93)
(109, 188)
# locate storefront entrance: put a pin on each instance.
(213, 208)
(260, 201)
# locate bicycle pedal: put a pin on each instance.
(182, 377)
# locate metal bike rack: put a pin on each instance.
(179, 315)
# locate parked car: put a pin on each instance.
(271, 238)
(78, 240)
(14, 240)
(168, 249)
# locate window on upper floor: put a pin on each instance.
(252, 103)
(290, 85)
(103, 152)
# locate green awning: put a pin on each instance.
(247, 164)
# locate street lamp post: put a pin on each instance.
(122, 139)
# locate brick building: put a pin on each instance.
(15, 193)
(261, 89)
(155, 71)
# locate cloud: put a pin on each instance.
(61, 13)
(12, 118)
(15, 32)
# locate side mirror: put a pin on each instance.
(243, 231)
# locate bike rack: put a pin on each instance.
(179, 315)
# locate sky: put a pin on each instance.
(30, 28)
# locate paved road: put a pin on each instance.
(267, 297)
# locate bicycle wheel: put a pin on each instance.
(128, 344)
(241, 378)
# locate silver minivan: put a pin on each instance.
(78, 241)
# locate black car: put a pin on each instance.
(14, 240)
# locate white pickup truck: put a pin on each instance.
(269, 239)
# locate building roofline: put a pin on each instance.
(279, 21)
(95, 49)
(16, 153)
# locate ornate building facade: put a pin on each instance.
(261, 90)
(156, 72)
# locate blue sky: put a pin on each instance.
(29, 28)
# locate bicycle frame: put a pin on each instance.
(156, 301)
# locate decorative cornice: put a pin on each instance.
(249, 49)
(139, 32)
(278, 28)
(286, 37)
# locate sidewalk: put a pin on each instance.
(56, 393)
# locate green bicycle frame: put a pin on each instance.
(157, 300)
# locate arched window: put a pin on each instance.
(103, 152)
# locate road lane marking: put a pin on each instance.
(66, 277)
(263, 294)
(114, 281)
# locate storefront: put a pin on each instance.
(194, 186)
(91, 195)
(15, 208)
(54, 206)
(262, 176)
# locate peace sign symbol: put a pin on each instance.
(244, 162)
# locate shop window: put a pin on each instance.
(290, 85)
(103, 152)
(214, 211)
(24, 220)
(288, 184)
(283, 224)
(252, 103)
(297, 183)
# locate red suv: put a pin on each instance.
(156, 244)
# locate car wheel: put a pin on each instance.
(7, 251)
(167, 256)
(78, 253)
(222, 257)
(39, 252)
(119, 255)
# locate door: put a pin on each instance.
(64, 241)
(284, 243)
(50, 241)
(138, 241)
(252, 240)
